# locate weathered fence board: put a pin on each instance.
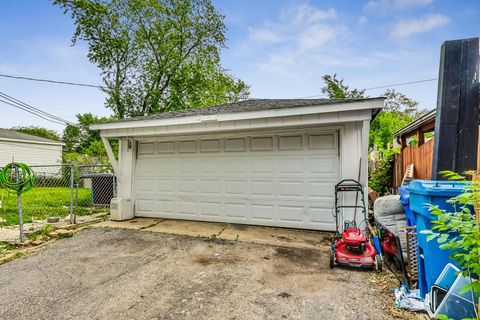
(421, 158)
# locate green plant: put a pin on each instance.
(41, 233)
(459, 231)
(380, 179)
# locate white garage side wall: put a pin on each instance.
(354, 155)
(30, 153)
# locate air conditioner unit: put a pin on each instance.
(120, 209)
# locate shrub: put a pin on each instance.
(380, 179)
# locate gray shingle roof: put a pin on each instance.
(245, 106)
(12, 134)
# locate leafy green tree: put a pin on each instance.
(39, 132)
(398, 110)
(84, 146)
(336, 89)
(156, 55)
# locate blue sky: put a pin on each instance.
(281, 48)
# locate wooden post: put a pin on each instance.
(458, 108)
(420, 137)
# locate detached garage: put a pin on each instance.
(271, 162)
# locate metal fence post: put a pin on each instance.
(72, 178)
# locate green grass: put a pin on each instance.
(41, 233)
(42, 202)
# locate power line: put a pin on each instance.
(53, 81)
(381, 87)
(36, 110)
(30, 109)
(24, 109)
(401, 84)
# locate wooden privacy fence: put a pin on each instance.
(420, 156)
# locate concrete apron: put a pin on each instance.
(264, 235)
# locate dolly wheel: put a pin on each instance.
(332, 259)
(378, 263)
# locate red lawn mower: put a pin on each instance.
(351, 246)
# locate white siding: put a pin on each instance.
(30, 153)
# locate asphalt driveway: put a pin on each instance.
(105, 273)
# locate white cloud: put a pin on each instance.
(377, 6)
(407, 27)
(265, 35)
(307, 14)
(316, 36)
(382, 6)
(300, 36)
(411, 3)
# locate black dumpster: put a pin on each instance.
(103, 187)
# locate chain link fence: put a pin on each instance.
(63, 191)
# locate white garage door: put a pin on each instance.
(284, 180)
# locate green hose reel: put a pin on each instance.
(17, 178)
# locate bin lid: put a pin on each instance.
(403, 190)
(436, 187)
(96, 175)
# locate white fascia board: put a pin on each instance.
(332, 118)
(271, 113)
(53, 143)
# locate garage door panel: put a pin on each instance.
(160, 166)
(148, 185)
(263, 188)
(210, 145)
(275, 180)
(291, 165)
(165, 206)
(321, 189)
(235, 187)
(145, 205)
(292, 188)
(211, 186)
(186, 207)
(187, 186)
(146, 148)
(326, 166)
(262, 144)
(235, 165)
(166, 185)
(237, 210)
(263, 212)
(293, 142)
(166, 147)
(290, 213)
(262, 165)
(210, 209)
(211, 166)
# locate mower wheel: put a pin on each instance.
(378, 263)
(332, 259)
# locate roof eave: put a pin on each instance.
(415, 124)
(33, 141)
(374, 104)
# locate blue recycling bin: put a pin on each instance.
(405, 200)
(431, 259)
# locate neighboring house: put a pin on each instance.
(270, 162)
(31, 150)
